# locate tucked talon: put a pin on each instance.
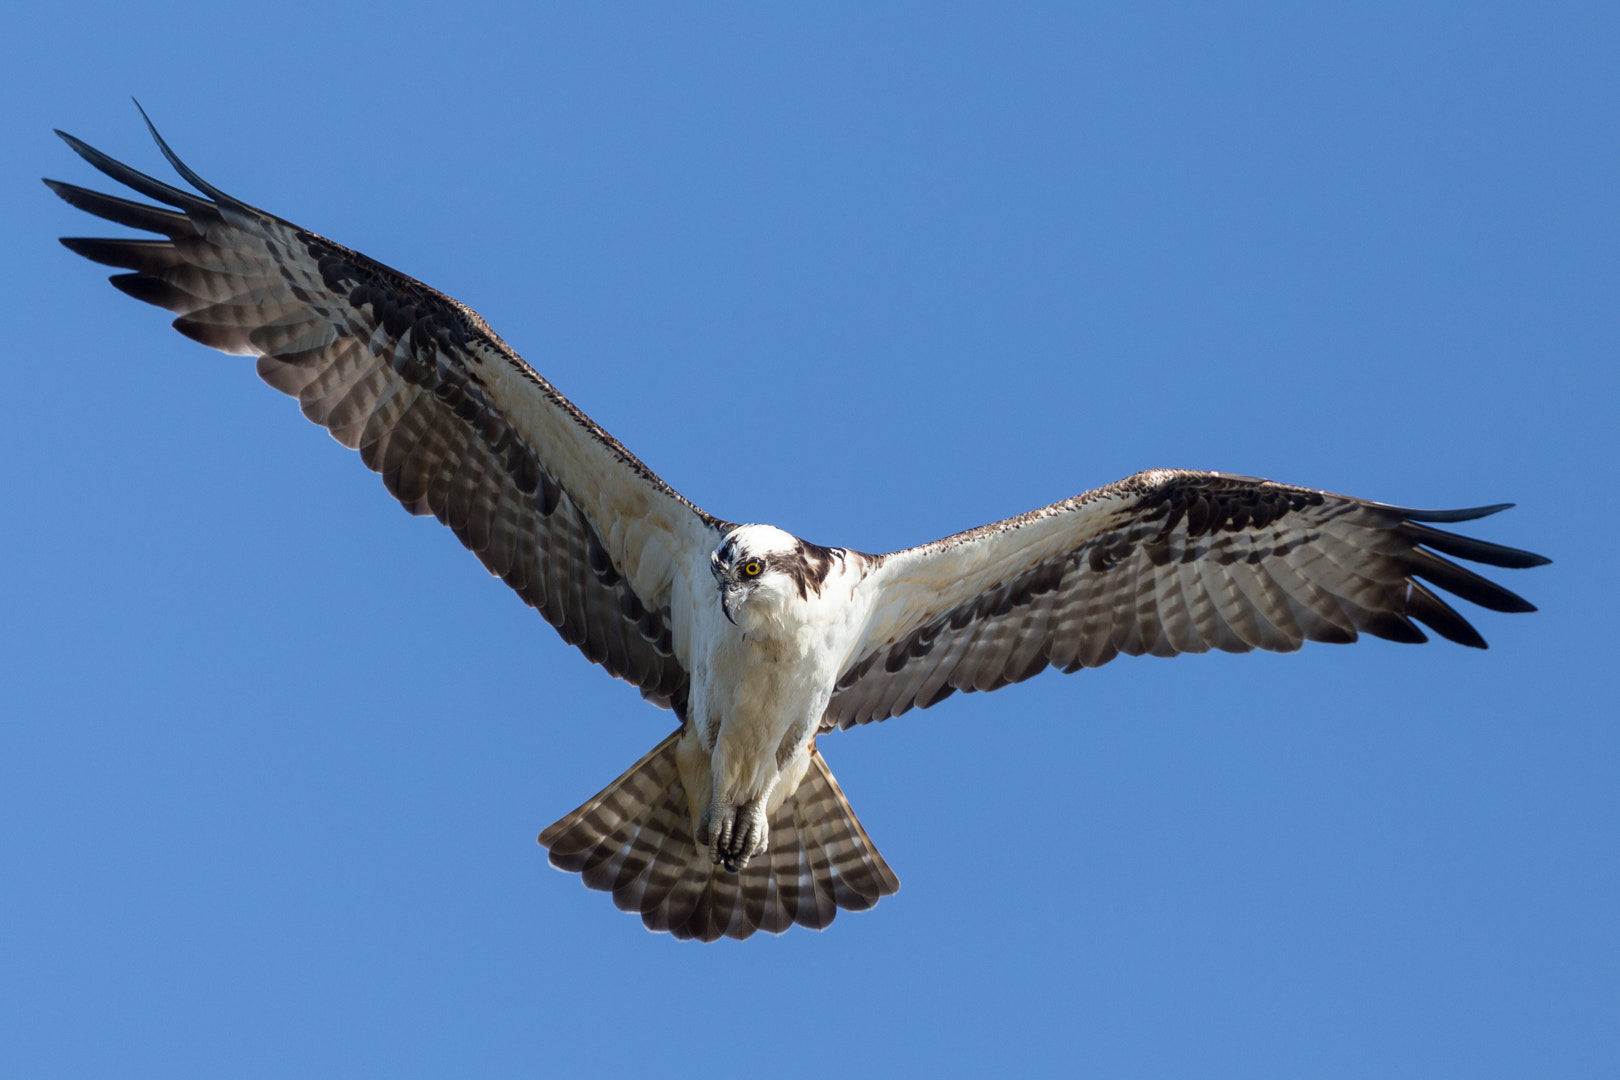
(735, 834)
(716, 827)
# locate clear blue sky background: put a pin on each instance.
(273, 754)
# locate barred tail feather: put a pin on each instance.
(634, 839)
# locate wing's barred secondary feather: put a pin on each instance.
(712, 619)
(1164, 562)
(455, 422)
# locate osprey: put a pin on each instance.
(757, 640)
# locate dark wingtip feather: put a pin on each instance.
(1466, 547)
(181, 167)
(149, 186)
(1437, 615)
(1391, 627)
(124, 211)
(128, 254)
(1448, 516)
(1465, 583)
(153, 291)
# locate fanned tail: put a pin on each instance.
(634, 839)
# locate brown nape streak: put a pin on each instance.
(808, 566)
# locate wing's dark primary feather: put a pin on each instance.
(1164, 562)
(457, 424)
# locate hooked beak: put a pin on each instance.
(731, 594)
(729, 598)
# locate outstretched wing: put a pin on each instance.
(454, 420)
(1163, 562)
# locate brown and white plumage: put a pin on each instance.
(634, 840)
(757, 639)
(454, 420)
(1163, 562)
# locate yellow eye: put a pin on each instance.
(751, 569)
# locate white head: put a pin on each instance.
(762, 571)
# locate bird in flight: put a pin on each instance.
(758, 641)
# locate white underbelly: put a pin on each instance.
(757, 698)
(758, 701)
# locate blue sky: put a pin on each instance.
(273, 754)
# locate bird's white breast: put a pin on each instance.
(759, 688)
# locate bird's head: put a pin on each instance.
(754, 567)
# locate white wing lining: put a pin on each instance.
(1163, 562)
(453, 419)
